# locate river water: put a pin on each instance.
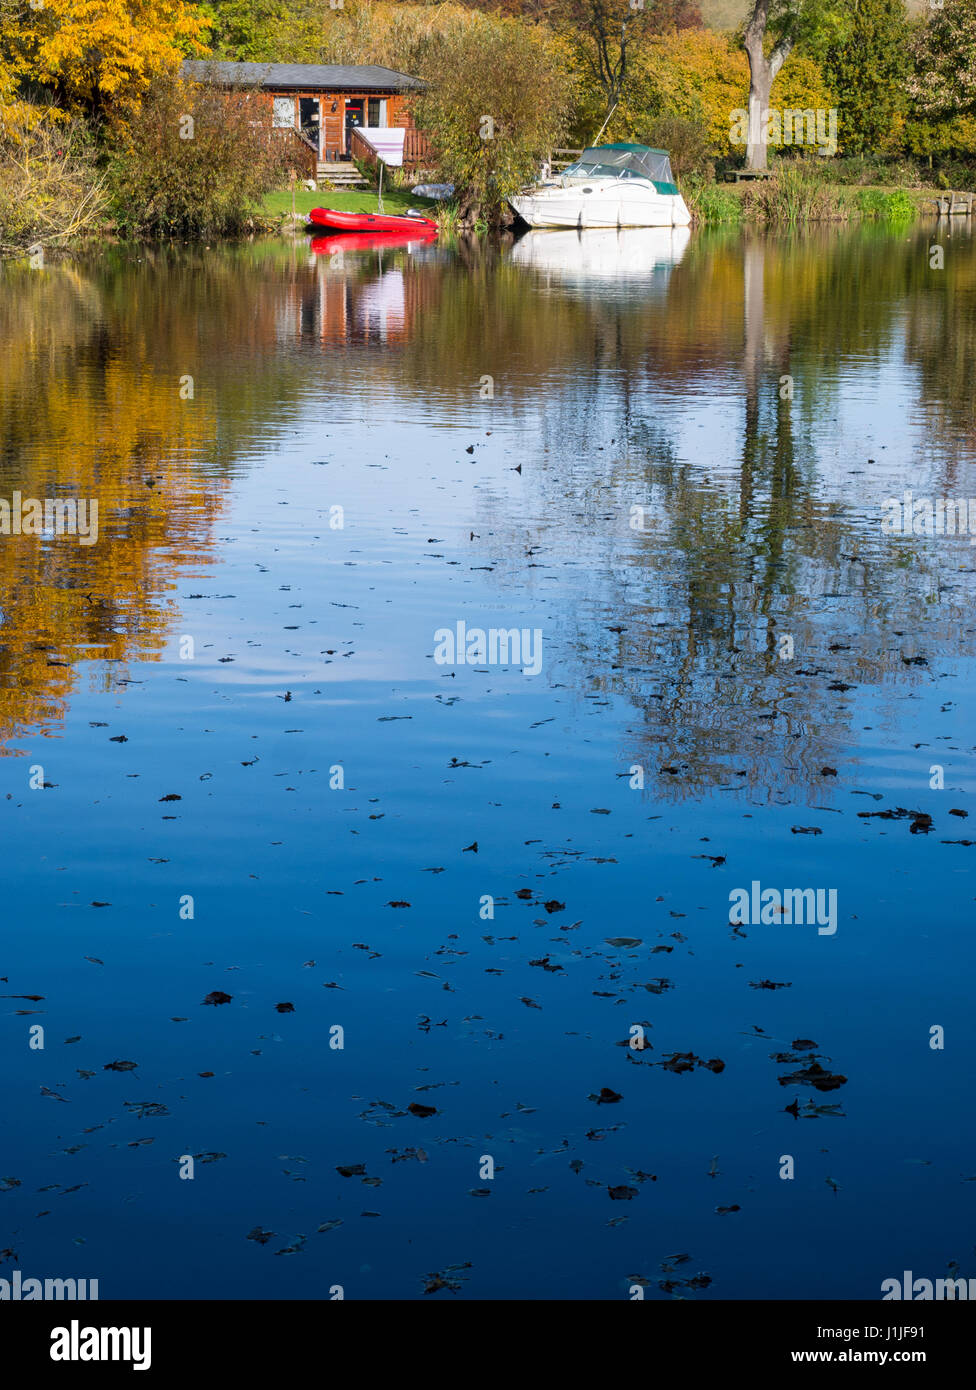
(237, 763)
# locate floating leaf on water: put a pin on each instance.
(296, 1248)
(217, 996)
(606, 1096)
(145, 1108)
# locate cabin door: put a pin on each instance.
(309, 120)
(354, 116)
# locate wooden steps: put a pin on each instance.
(341, 174)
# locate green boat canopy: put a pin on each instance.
(622, 162)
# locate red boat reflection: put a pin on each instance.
(364, 241)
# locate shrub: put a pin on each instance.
(686, 141)
(202, 164)
(796, 194)
(50, 189)
(710, 203)
(893, 206)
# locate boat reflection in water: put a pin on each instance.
(368, 241)
(361, 293)
(634, 260)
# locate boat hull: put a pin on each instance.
(623, 203)
(329, 219)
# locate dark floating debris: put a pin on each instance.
(814, 1075)
(450, 1278)
(687, 1061)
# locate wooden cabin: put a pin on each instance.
(315, 107)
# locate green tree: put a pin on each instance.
(943, 83)
(265, 31)
(867, 67)
(489, 125)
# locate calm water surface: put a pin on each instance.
(307, 462)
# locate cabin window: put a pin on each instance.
(284, 112)
(376, 111)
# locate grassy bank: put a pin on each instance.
(794, 196)
(396, 200)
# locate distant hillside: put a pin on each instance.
(727, 14)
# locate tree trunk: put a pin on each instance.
(762, 73)
(759, 88)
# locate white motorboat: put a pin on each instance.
(608, 186)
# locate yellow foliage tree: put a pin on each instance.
(700, 75)
(100, 55)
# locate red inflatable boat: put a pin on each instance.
(333, 221)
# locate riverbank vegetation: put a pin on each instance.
(871, 97)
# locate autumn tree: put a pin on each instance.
(699, 76)
(98, 55)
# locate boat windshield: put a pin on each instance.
(621, 162)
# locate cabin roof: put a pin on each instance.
(303, 77)
(622, 146)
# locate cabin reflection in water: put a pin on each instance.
(369, 296)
